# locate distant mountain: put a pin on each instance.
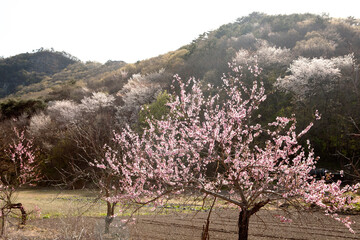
(28, 68)
(31, 75)
(54, 75)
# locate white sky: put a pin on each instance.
(131, 30)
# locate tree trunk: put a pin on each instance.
(108, 221)
(12, 206)
(205, 233)
(109, 216)
(22, 210)
(243, 224)
(244, 218)
(2, 222)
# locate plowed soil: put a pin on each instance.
(223, 225)
(188, 226)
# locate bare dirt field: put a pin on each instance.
(224, 226)
(189, 226)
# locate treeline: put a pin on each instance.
(308, 62)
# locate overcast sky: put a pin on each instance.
(131, 30)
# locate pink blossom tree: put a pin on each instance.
(216, 147)
(22, 171)
(118, 175)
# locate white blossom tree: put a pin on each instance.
(265, 55)
(38, 122)
(313, 76)
(139, 90)
(64, 111)
(96, 101)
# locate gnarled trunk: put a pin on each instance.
(22, 210)
(9, 207)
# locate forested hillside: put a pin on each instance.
(45, 73)
(308, 62)
(29, 68)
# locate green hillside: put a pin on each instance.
(309, 62)
(30, 68)
(33, 75)
(205, 57)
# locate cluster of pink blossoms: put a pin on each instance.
(22, 155)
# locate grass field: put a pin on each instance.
(60, 203)
(78, 214)
(57, 214)
(64, 214)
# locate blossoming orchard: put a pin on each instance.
(215, 145)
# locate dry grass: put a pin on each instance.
(79, 214)
(56, 214)
(55, 203)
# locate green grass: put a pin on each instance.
(73, 203)
(70, 203)
(58, 203)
